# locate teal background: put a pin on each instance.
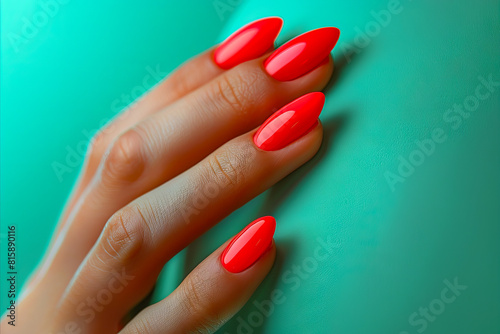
(393, 247)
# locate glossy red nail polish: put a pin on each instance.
(249, 245)
(301, 54)
(290, 122)
(249, 42)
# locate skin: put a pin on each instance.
(134, 205)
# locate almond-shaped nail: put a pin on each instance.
(301, 54)
(249, 245)
(290, 122)
(249, 42)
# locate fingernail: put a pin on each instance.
(301, 54)
(290, 122)
(249, 245)
(249, 42)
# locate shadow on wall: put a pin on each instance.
(266, 298)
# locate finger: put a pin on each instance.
(249, 42)
(216, 289)
(145, 234)
(187, 78)
(167, 143)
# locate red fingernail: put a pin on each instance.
(249, 245)
(249, 42)
(302, 54)
(290, 122)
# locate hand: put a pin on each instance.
(170, 167)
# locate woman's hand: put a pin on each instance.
(170, 167)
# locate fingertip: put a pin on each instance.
(314, 138)
(248, 246)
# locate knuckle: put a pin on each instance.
(140, 325)
(204, 319)
(206, 327)
(192, 299)
(123, 236)
(125, 159)
(238, 90)
(228, 165)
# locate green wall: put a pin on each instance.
(402, 200)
